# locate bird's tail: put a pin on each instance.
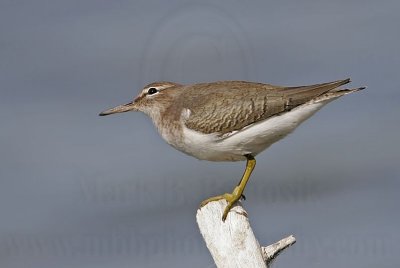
(341, 92)
(336, 93)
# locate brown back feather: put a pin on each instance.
(223, 107)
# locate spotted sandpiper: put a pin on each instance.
(229, 120)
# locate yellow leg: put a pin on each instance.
(231, 198)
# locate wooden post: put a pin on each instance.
(232, 243)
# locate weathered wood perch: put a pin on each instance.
(232, 243)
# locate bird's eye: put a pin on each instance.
(152, 91)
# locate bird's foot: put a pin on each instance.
(231, 198)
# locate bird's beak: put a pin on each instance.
(120, 109)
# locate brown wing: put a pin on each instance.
(224, 107)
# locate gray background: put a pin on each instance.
(77, 190)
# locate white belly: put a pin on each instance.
(252, 139)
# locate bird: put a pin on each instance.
(229, 120)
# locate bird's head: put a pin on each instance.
(152, 99)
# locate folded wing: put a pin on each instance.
(229, 106)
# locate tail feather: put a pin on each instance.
(345, 91)
(300, 95)
(350, 90)
(336, 93)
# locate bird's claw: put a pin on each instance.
(231, 198)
